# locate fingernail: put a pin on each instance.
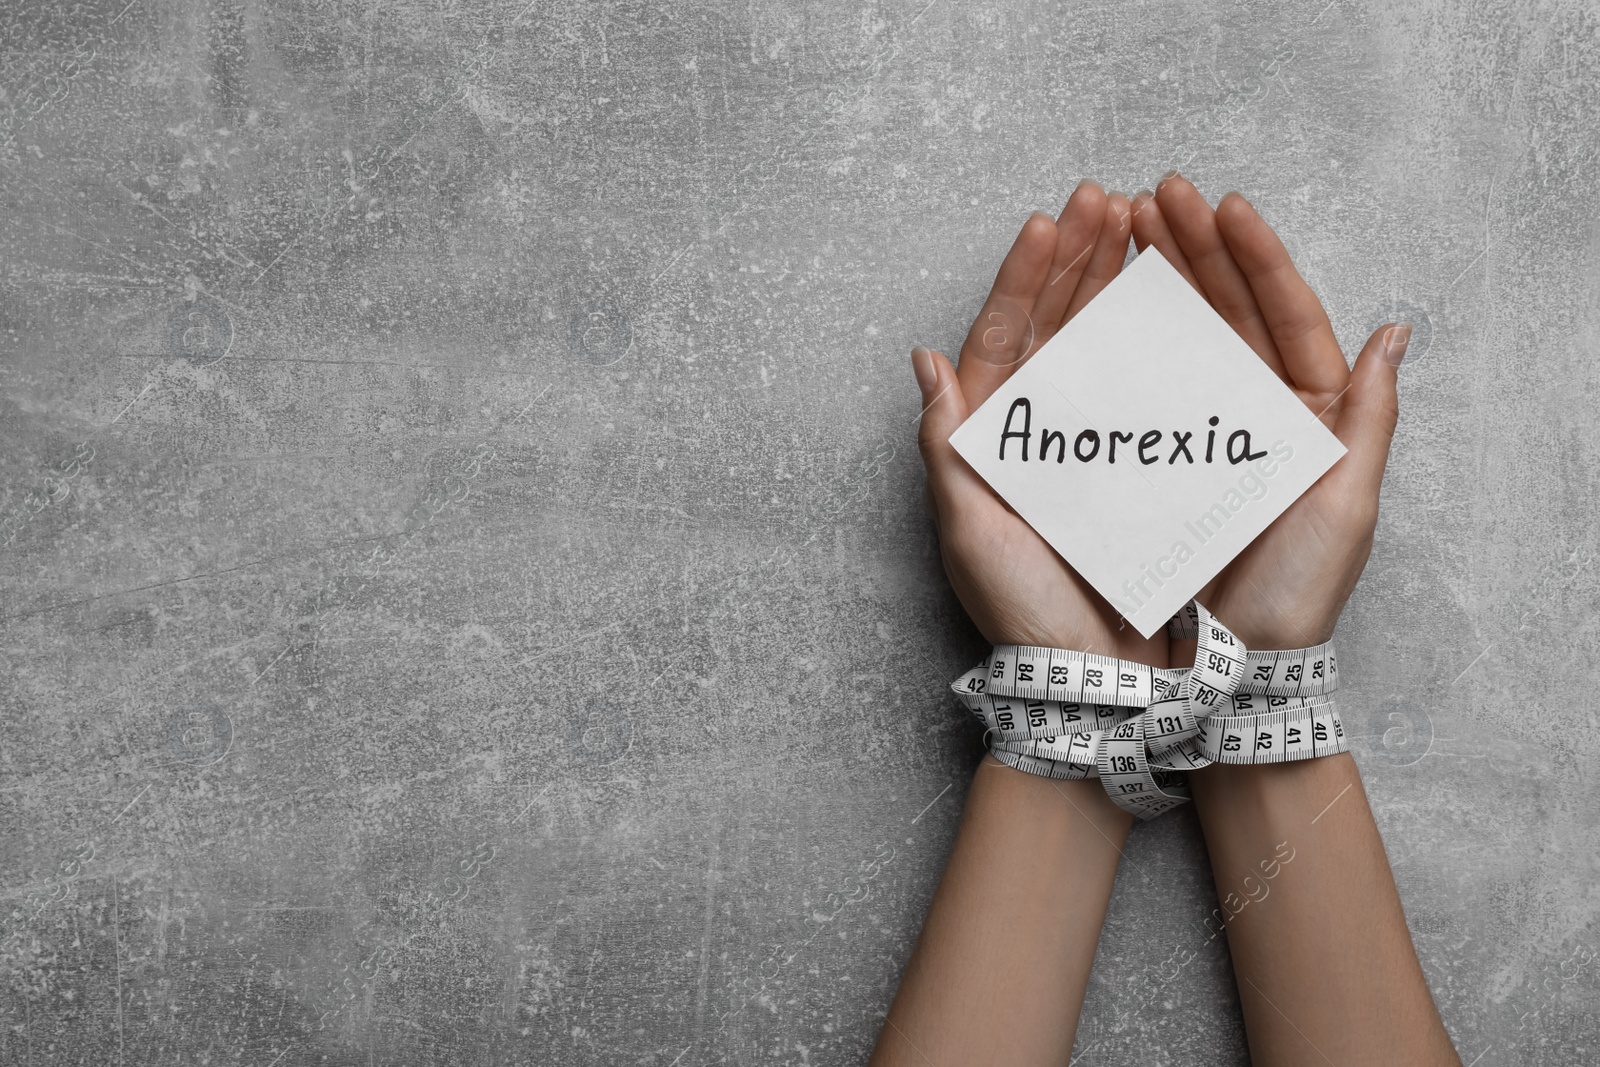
(1395, 340)
(1167, 177)
(922, 366)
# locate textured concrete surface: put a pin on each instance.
(467, 598)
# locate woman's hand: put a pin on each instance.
(1012, 583)
(1286, 590)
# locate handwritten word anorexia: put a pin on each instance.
(1086, 447)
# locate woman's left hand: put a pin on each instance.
(1012, 583)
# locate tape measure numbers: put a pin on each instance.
(1074, 715)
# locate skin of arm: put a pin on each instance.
(1325, 965)
(1324, 962)
(999, 972)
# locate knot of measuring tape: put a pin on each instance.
(1065, 714)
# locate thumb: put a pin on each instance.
(944, 409)
(1371, 406)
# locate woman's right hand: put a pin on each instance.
(1287, 588)
(1012, 583)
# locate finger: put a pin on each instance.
(1194, 224)
(1110, 252)
(1003, 333)
(1150, 229)
(1292, 312)
(1076, 232)
(1370, 408)
(951, 483)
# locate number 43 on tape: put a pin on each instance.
(1147, 443)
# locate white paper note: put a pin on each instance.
(1095, 458)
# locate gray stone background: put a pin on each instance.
(467, 593)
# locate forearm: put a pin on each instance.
(1325, 965)
(999, 973)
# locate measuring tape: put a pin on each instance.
(1071, 715)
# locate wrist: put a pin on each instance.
(1084, 799)
(1264, 625)
(1116, 639)
(1294, 792)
